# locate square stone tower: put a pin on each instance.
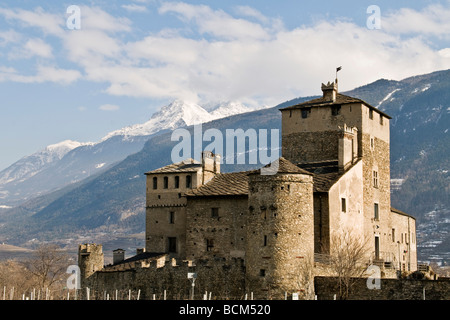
(344, 130)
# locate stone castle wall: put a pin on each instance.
(390, 289)
(225, 279)
(221, 234)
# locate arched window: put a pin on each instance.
(155, 183)
(188, 181)
(166, 182)
(177, 182)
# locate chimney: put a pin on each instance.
(210, 165)
(348, 147)
(330, 91)
(118, 256)
(140, 251)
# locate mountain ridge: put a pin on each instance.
(420, 149)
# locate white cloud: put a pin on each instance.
(109, 107)
(43, 74)
(47, 22)
(248, 11)
(218, 56)
(10, 36)
(216, 23)
(432, 20)
(94, 18)
(134, 8)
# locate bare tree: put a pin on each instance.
(305, 277)
(48, 265)
(348, 259)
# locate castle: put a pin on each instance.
(332, 179)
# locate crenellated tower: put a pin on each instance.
(280, 231)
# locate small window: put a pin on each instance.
(209, 244)
(375, 179)
(264, 214)
(370, 114)
(393, 235)
(214, 212)
(335, 110)
(166, 182)
(372, 143)
(265, 241)
(343, 205)
(262, 272)
(290, 113)
(177, 182)
(172, 217)
(188, 181)
(376, 214)
(155, 183)
(172, 245)
(305, 113)
(381, 119)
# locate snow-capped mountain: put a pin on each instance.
(69, 161)
(179, 114)
(30, 165)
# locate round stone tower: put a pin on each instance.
(90, 260)
(280, 231)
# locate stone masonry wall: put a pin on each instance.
(225, 280)
(390, 289)
(222, 236)
(280, 233)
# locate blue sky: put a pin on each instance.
(129, 58)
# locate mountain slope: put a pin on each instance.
(30, 165)
(67, 162)
(419, 107)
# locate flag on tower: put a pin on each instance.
(338, 68)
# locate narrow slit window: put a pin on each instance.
(214, 212)
(166, 182)
(155, 183)
(376, 213)
(343, 205)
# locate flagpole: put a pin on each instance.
(337, 70)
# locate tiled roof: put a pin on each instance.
(141, 256)
(188, 165)
(223, 184)
(284, 166)
(401, 212)
(324, 174)
(340, 99)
